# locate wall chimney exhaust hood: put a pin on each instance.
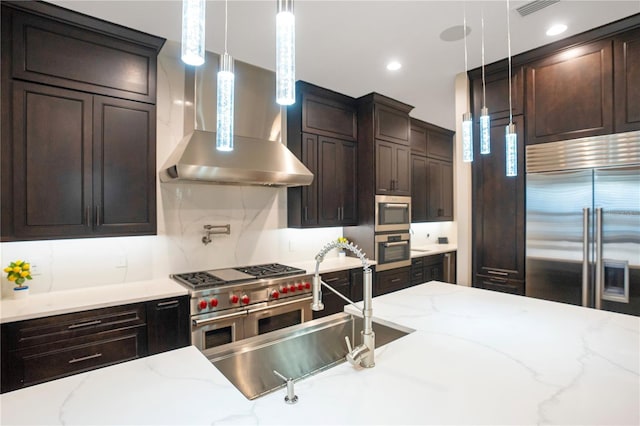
(258, 157)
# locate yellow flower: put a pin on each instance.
(24, 274)
(26, 267)
(19, 262)
(12, 277)
(8, 269)
(17, 269)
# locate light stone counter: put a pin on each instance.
(63, 302)
(431, 249)
(477, 357)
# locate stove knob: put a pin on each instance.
(233, 299)
(275, 294)
(307, 285)
(245, 299)
(202, 305)
(300, 286)
(292, 288)
(284, 289)
(213, 302)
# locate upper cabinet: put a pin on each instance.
(570, 94)
(626, 81)
(496, 92)
(383, 142)
(322, 133)
(431, 172)
(78, 146)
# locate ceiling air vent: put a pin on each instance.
(534, 6)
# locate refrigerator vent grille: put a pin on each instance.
(619, 149)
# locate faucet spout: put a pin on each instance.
(364, 353)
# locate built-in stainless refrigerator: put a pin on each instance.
(583, 222)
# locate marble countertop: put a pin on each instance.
(63, 302)
(431, 249)
(476, 357)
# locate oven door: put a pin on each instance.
(211, 330)
(392, 213)
(392, 251)
(284, 314)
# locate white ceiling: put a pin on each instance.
(345, 45)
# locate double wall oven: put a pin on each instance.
(228, 305)
(392, 238)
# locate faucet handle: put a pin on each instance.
(346, 339)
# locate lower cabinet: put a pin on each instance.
(340, 281)
(500, 284)
(392, 280)
(428, 268)
(168, 324)
(43, 349)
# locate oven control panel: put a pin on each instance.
(233, 297)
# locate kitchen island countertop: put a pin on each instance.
(476, 357)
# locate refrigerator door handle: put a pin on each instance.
(586, 212)
(599, 267)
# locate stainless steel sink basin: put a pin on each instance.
(295, 352)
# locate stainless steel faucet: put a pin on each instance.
(362, 354)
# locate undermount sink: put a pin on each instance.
(420, 250)
(295, 352)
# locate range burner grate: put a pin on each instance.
(199, 279)
(270, 270)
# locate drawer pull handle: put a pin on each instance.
(330, 280)
(84, 324)
(168, 303)
(395, 280)
(503, 274)
(84, 358)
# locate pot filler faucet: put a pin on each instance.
(362, 354)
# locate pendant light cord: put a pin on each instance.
(225, 25)
(464, 28)
(509, 56)
(484, 92)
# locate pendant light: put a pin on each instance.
(511, 138)
(467, 119)
(193, 23)
(226, 79)
(485, 122)
(285, 53)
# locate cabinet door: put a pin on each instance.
(392, 280)
(391, 124)
(626, 68)
(499, 209)
(439, 190)
(418, 137)
(418, 188)
(340, 281)
(168, 324)
(440, 144)
(402, 170)
(329, 194)
(348, 183)
(51, 162)
(124, 181)
(384, 167)
(497, 94)
(310, 193)
(570, 94)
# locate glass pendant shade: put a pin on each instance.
(285, 53)
(511, 149)
(224, 119)
(467, 137)
(193, 23)
(485, 131)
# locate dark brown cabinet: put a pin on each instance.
(570, 94)
(168, 324)
(427, 268)
(497, 94)
(321, 132)
(78, 147)
(431, 172)
(499, 210)
(626, 83)
(391, 124)
(392, 280)
(393, 171)
(43, 349)
(341, 282)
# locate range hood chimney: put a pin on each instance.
(258, 157)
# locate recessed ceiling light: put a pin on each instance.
(556, 29)
(394, 66)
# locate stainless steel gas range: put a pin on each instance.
(235, 303)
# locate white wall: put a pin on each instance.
(257, 215)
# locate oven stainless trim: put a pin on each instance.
(397, 202)
(251, 321)
(214, 321)
(384, 238)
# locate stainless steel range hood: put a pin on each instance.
(258, 158)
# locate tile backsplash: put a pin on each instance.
(257, 215)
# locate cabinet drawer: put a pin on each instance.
(59, 54)
(39, 331)
(502, 285)
(392, 280)
(50, 365)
